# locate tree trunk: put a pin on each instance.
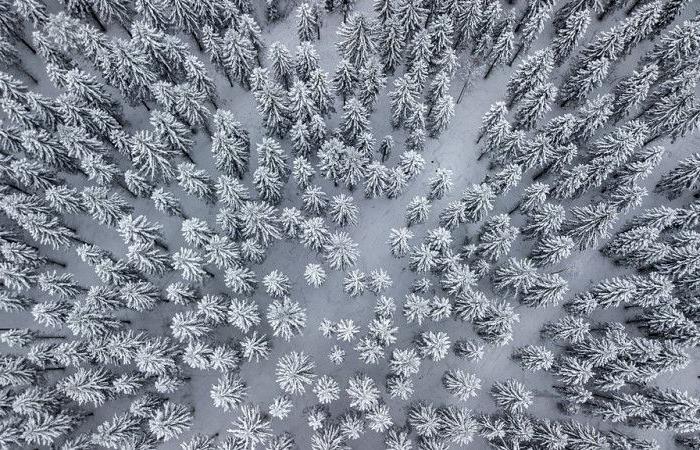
(520, 49)
(24, 41)
(522, 20)
(541, 173)
(143, 102)
(128, 32)
(515, 208)
(653, 138)
(228, 77)
(78, 240)
(187, 156)
(21, 68)
(488, 72)
(121, 184)
(464, 88)
(16, 188)
(205, 125)
(162, 245)
(96, 19)
(196, 40)
(55, 263)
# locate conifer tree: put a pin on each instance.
(282, 64)
(345, 79)
(370, 82)
(306, 60)
(683, 177)
(569, 35)
(411, 15)
(357, 40)
(320, 93)
(273, 106)
(355, 120)
(308, 27)
(535, 104)
(403, 100)
(238, 56)
(385, 10)
(392, 44)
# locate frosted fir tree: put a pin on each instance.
(370, 82)
(379, 281)
(588, 77)
(315, 200)
(355, 120)
(684, 176)
(535, 104)
(434, 345)
(514, 276)
(260, 221)
(417, 210)
(281, 64)
(440, 115)
(345, 79)
(241, 280)
(511, 395)
(362, 392)
(268, 184)
(273, 106)
(569, 35)
(496, 237)
(243, 314)
(343, 210)
(546, 290)
(532, 24)
(170, 421)
(286, 318)
(355, 283)
(314, 275)
(503, 45)
(460, 384)
(195, 182)
(238, 56)
(412, 16)
(403, 100)
(357, 39)
(277, 284)
(229, 392)
(308, 26)
(306, 60)
(391, 45)
(384, 9)
(294, 372)
(590, 223)
(252, 427)
(290, 220)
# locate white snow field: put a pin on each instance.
(506, 320)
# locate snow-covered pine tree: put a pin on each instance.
(357, 39)
(392, 44)
(535, 104)
(308, 27)
(569, 35)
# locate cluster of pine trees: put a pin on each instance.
(575, 141)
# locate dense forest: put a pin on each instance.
(340, 224)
